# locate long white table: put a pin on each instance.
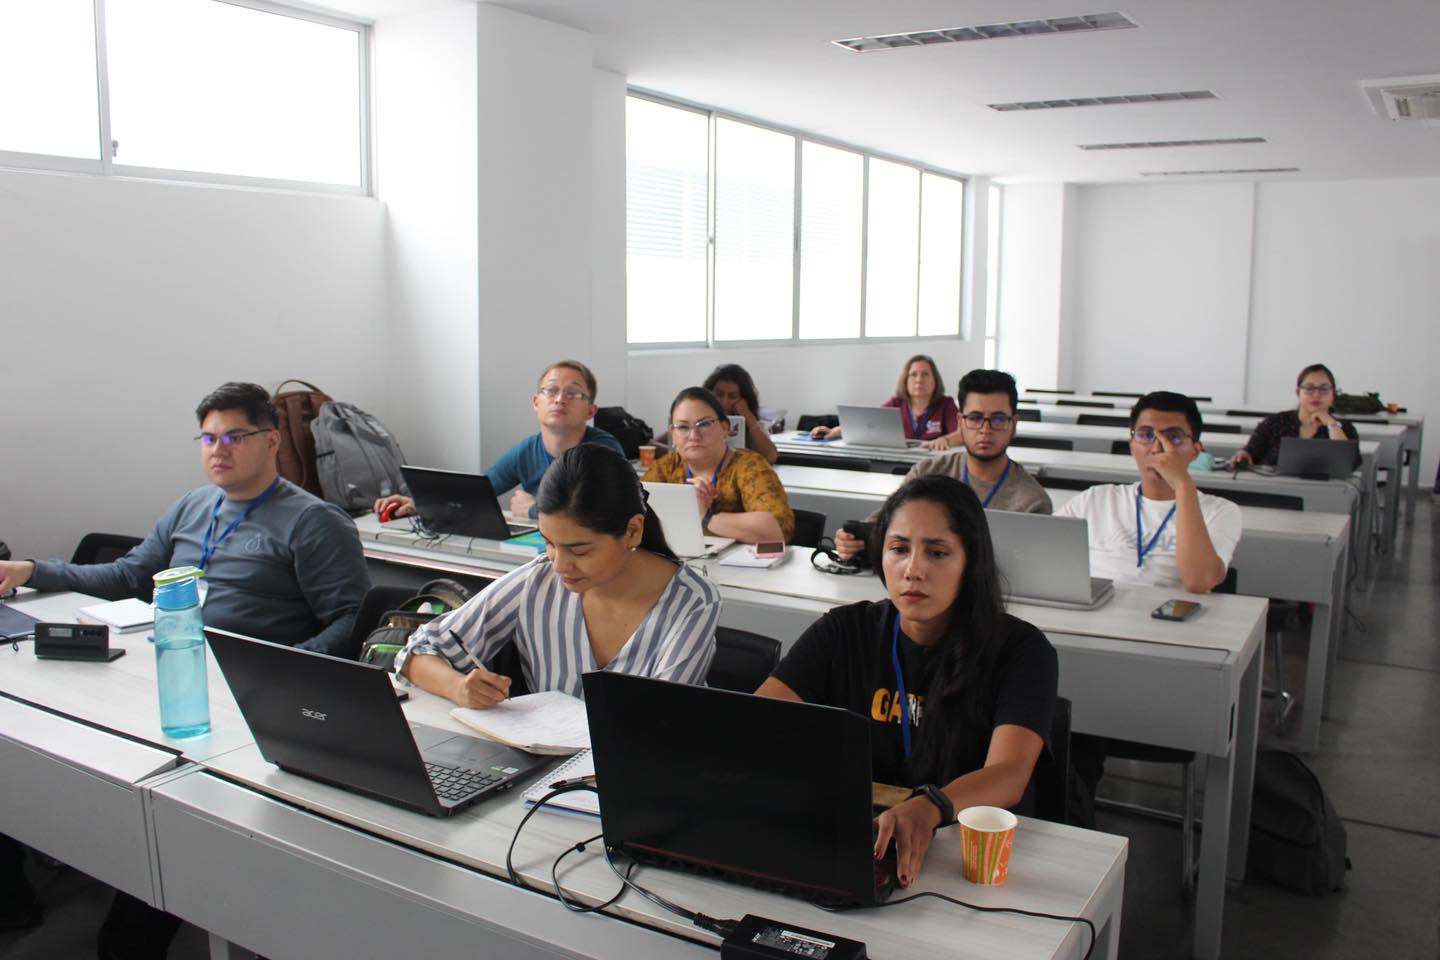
(1128, 675)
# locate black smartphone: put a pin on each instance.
(1175, 610)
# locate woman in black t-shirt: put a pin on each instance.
(960, 695)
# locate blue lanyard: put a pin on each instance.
(965, 479)
(206, 550)
(1141, 551)
(714, 477)
(918, 433)
(900, 685)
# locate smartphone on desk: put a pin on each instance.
(1175, 610)
(770, 548)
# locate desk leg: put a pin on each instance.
(222, 949)
(1107, 922)
(1414, 484)
(1394, 480)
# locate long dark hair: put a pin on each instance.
(597, 488)
(962, 685)
(1318, 368)
(704, 396)
(738, 375)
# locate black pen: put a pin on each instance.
(477, 663)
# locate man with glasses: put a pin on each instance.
(988, 401)
(1161, 531)
(564, 402)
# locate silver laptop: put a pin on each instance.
(1046, 560)
(1317, 457)
(679, 512)
(873, 426)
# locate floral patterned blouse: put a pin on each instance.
(746, 483)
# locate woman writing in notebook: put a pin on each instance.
(608, 594)
(926, 412)
(960, 695)
(736, 491)
(1312, 419)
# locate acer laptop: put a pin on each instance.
(460, 504)
(1045, 560)
(873, 427)
(1317, 458)
(338, 721)
(763, 791)
(678, 508)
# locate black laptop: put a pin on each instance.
(338, 721)
(1317, 458)
(460, 504)
(765, 791)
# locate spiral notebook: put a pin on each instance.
(578, 803)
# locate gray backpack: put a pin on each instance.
(357, 459)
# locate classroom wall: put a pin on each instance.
(125, 302)
(1032, 256)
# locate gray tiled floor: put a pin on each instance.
(1379, 760)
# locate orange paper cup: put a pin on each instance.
(986, 836)
(647, 455)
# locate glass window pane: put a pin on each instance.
(48, 102)
(892, 249)
(992, 262)
(832, 190)
(666, 165)
(754, 232)
(218, 88)
(942, 222)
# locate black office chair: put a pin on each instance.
(1103, 405)
(809, 528)
(1052, 771)
(1223, 428)
(809, 421)
(1046, 443)
(1120, 447)
(1247, 413)
(1256, 498)
(1065, 483)
(742, 660)
(1101, 420)
(1039, 390)
(506, 662)
(1199, 399)
(103, 547)
(1028, 413)
(1116, 393)
(788, 459)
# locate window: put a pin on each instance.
(194, 89)
(741, 232)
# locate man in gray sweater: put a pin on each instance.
(280, 564)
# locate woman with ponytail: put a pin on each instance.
(608, 594)
(960, 694)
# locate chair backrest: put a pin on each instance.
(1232, 578)
(809, 421)
(1199, 399)
(1066, 483)
(820, 460)
(103, 547)
(1028, 413)
(742, 660)
(1223, 428)
(1247, 413)
(1039, 390)
(809, 528)
(1102, 404)
(1252, 498)
(1052, 770)
(1101, 420)
(1116, 393)
(1048, 443)
(1120, 448)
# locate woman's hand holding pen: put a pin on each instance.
(480, 689)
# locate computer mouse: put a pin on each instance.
(388, 513)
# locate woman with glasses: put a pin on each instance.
(1311, 419)
(926, 412)
(733, 387)
(608, 594)
(737, 492)
(959, 695)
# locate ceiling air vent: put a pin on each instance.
(1405, 98)
(1216, 173)
(1116, 100)
(1148, 144)
(990, 31)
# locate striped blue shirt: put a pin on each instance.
(675, 641)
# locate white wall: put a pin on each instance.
(1032, 256)
(607, 228)
(125, 302)
(1161, 287)
(426, 175)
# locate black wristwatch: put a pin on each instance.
(942, 803)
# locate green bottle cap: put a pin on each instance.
(176, 574)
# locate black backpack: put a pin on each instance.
(631, 431)
(1350, 404)
(434, 599)
(1296, 838)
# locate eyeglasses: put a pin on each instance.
(571, 394)
(232, 439)
(1316, 389)
(683, 430)
(997, 421)
(1174, 436)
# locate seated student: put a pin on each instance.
(607, 595)
(564, 402)
(1162, 530)
(961, 693)
(280, 564)
(988, 399)
(740, 495)
(927, 413)
(733, 387)
(1315, 388)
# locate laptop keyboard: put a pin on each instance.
(453, 783)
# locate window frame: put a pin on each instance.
(106, 166)
(800, 137)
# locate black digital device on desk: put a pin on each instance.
(75, 641)
(1176, 609)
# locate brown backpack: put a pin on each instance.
(297, 446)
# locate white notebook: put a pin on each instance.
(550, 722)
(121, 615)
(578, 802)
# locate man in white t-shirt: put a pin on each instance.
(1161, 531)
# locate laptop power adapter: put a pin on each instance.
(756, 938)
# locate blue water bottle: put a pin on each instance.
(180, 654)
